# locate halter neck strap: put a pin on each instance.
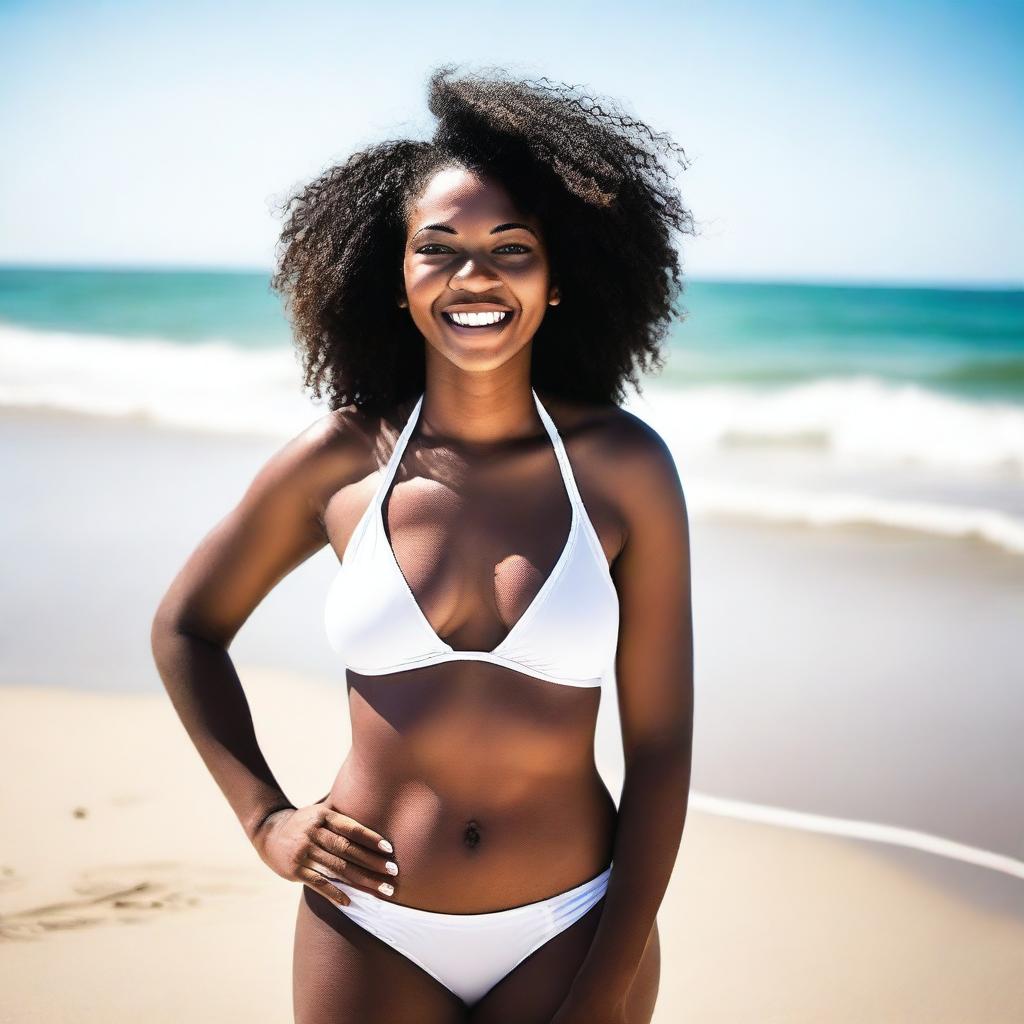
(391, 468)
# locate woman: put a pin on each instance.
(508, 536)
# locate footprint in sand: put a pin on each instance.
(129, 894)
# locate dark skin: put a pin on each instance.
(525, 814)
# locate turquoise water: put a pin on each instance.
(958, 342)
(967, 342)
(185, 307)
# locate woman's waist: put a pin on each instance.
(473, 849)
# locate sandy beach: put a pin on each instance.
(837, 673)
(129, 892)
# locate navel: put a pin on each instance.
(471, 833)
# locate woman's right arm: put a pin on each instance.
(275, 527)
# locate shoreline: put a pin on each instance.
(753, 486)
(869, 831)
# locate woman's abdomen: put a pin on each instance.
(485, 785)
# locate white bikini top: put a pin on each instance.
(568, 633)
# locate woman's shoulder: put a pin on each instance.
(338, 448)
(607, 432)
(340, 436)
(620, 458)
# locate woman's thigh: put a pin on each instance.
(534, 989)
(341, 974)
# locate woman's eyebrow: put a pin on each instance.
(511, 225)
(451, 231)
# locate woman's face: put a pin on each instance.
(469, 249)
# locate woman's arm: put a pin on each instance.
(654, 678)
(275, 527)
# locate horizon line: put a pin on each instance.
(935, 284)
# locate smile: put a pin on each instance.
(477, 321)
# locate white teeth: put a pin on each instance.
(477, 319)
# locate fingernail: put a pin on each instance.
(386, 846)
(392, 867)
(387, 888)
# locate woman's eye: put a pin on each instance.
(509, 245)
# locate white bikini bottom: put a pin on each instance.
(470, 953)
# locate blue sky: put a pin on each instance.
(867, 142)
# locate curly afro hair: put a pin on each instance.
(595, 177)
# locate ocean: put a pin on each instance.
(817, 405)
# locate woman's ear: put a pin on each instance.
(553, 297)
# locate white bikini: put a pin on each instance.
(567, 635)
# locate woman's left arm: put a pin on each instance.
(654, 678)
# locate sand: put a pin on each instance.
(129, 892)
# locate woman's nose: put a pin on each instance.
(472, 269)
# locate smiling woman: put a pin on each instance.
(593, 181)
(509, 538)
(488, 284)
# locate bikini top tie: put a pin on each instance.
(568, 633)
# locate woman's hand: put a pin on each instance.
(304, 844)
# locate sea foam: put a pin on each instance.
(220, 387)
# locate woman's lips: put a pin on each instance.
(499, 325)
